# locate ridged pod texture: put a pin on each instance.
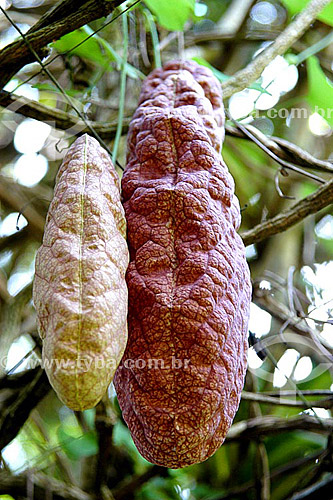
(180, 380)
(79, 291)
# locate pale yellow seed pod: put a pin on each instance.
(79, 291)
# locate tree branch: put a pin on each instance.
(105, 420)
(126, 490)
(232, 20)
(45, 485)
(59, 11)
(42, 486)
(17, 407)
(267, 425)
(15, 55)
(326, 403)
(106, 130)
(277, 472)
(243, 78)
(12, 194)
(283, 149)
(324, 353)
(321, 489)
(316, 201)
(57, 118)
(305, 392)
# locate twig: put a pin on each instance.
(50, 61)
(126, 490)
(57, 118)
(300, 156)
(15, 55)
(223, 35)
(16, 412)
(278, 189)
(267, 425)
(306, 392)
(316, 201)
(262, 468)
(231, 21)
(19, 380)
(69, 100)
(42, 486)
(228, 27)
(285, 164)
(122, 91)
(154, 38)
(11, 194)
(326, 403)
(315, 48)
(280, 312)
(321, 489)
(57, 12)
(277, 472)
(243, 78)
(65, 121)
(62, 460)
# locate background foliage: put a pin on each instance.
(280, 444)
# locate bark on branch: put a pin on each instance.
(316, 201)
(45, 486)
(15, 55)
(267, 425)
(107, 130)
(243, 78)
(326, 403)
(42, 486)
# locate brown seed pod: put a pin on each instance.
(79, 291)
(180, 380)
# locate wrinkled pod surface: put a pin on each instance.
(79, 291)
(180, 380)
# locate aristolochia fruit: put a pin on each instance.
(182, 373)
(79, 291)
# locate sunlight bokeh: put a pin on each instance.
(260, 320)
(19, 348)
(278, 78)
(318, 125)
(30, 136)
(8, 224)
(285, 367)
(30, 168)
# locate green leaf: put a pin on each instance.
(77, 447)
(298, 442)
(49, 87)
(172, 14)
(320, 95)
(319, 378)
(258, 86)
(219, 75)
(95, 49)
(327, 247)
(295, 6)
(222, 77)
(122, 438)
(311, 50)
(90, 49)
